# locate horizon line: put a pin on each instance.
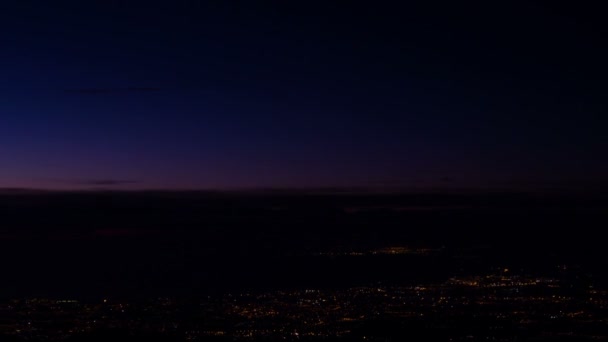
(317, 189)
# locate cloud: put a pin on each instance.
(123, 232)
(401, 182)
(99, 91)
(107, 182)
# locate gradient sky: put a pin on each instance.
(193, 94)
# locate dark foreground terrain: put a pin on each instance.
(287, 265)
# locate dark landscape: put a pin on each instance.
(303, 265)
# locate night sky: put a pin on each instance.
(249, 94)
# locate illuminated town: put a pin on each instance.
(393, 250)
(499, 306)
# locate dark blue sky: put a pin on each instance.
(189, 94)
